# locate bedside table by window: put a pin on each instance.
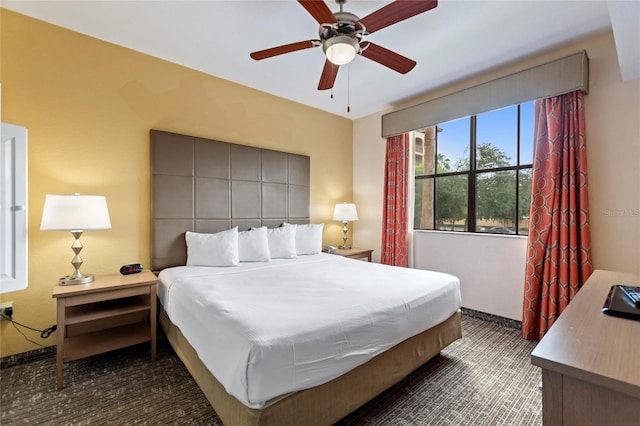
(112, 312)
(355, 253)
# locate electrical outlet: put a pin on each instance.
(6, 309)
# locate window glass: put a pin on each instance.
(423, 198)
(526, 133)
(496, 202)
(424, 150)
(497, 138)
(451, 202)
(524, 200)
(453, 145)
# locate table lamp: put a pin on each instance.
(75, 213)
(345, 212)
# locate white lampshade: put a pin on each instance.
(340, 49)
(75, 212)
(345, 212)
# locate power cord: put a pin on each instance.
(43, 333)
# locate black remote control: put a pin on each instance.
(632, 293)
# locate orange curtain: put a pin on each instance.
(559, 243)
(395, 218)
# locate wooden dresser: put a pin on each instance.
(591, 361)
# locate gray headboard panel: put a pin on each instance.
(204, 185)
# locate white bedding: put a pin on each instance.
(267, 329)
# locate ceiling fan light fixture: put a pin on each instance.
(341, 50)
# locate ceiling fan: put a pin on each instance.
(342, 36)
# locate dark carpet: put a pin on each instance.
(485, 378)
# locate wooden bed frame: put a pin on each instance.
(258, 187)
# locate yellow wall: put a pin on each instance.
(89, 105)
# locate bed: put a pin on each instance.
(328, 372)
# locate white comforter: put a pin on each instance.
(267, 329)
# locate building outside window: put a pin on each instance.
(474, 174)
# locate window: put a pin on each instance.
(474, 174)
(13, 208)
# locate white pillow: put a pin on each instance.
(282, 242)
(308, 238)
(219, 249)
(253, 245)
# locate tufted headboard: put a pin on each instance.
(204, 185)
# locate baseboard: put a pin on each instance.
(506, 322)
(44, 353)
(34, 355)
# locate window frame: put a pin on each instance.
(472, 174)
(13, 209)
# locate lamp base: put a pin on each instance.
(344, 247)
(68, 280)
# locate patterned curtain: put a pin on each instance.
(395, 218)
(559, 243)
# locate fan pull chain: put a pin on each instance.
(331, 92)
(348, 89)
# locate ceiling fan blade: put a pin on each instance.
(328, 77)
(395, 12)
(285, 48)
(388, 58)
(319, 10)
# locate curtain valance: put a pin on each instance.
(543, 81)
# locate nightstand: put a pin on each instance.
(112, 312)
(354, 253)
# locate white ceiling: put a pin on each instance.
(456, 40)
